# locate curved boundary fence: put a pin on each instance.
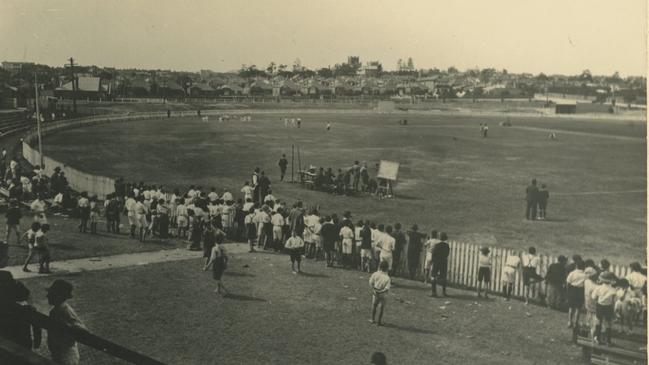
(463, 259)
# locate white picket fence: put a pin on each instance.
(463, 268)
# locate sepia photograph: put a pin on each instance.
(323, 182)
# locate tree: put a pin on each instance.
(399, 64)
(487, 74)
(185, 82)
(411, 64)
(452, 70)
(542, 77)
(586, 76)
(271, 68)
(297, 65)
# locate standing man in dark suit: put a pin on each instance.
(531, 196)
(414, 250)
(439, 268)
(283, 163)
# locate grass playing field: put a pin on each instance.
(320, 317)
(450, 178)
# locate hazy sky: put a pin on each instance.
(551, 36)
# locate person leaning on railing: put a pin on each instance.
(62, 345)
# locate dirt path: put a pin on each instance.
(118, 261)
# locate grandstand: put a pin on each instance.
(14, 121)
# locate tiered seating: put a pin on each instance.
(12, 122)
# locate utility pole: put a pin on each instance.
(75, 86)
(38, 121)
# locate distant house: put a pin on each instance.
(261, 88)
(202, 90)
(230, 90)
(171, 89)
(138, 88)
(289, 88)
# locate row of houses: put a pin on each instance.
(309, 87)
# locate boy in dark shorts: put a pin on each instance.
(604, 295)
(484, 271)
(43, 249)
(218, 261)
(295, 245)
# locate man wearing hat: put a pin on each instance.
(439, 268)
(62, 346)
(414, 250)
(604, 295)
(555, 278)
(329, 234)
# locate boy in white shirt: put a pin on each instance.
(484, 271)
(295, 245)
(182, 219)
(38, 207)
(589, 303)
(247, 191)
(428, 247)
(380, 284)
(604, 295)
(278, 225)
(512, 263)
(387, 244)
(575, 293)
(347, 238)
(129, 206)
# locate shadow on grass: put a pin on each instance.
(243, 298)
(408, 329)
(313, 275)
(240, 274)
(407, 197)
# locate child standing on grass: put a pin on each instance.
(30, 238)
(295, 245)
(83, 206)
(380, 284)
(575, 293)
(484, 271)
(43, 249)
(218, 261)
(251, 228)
(94, 214)
(512, 263)
(182, 219)
(590, 284)
(604, 295)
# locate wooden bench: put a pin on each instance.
(611, 355)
